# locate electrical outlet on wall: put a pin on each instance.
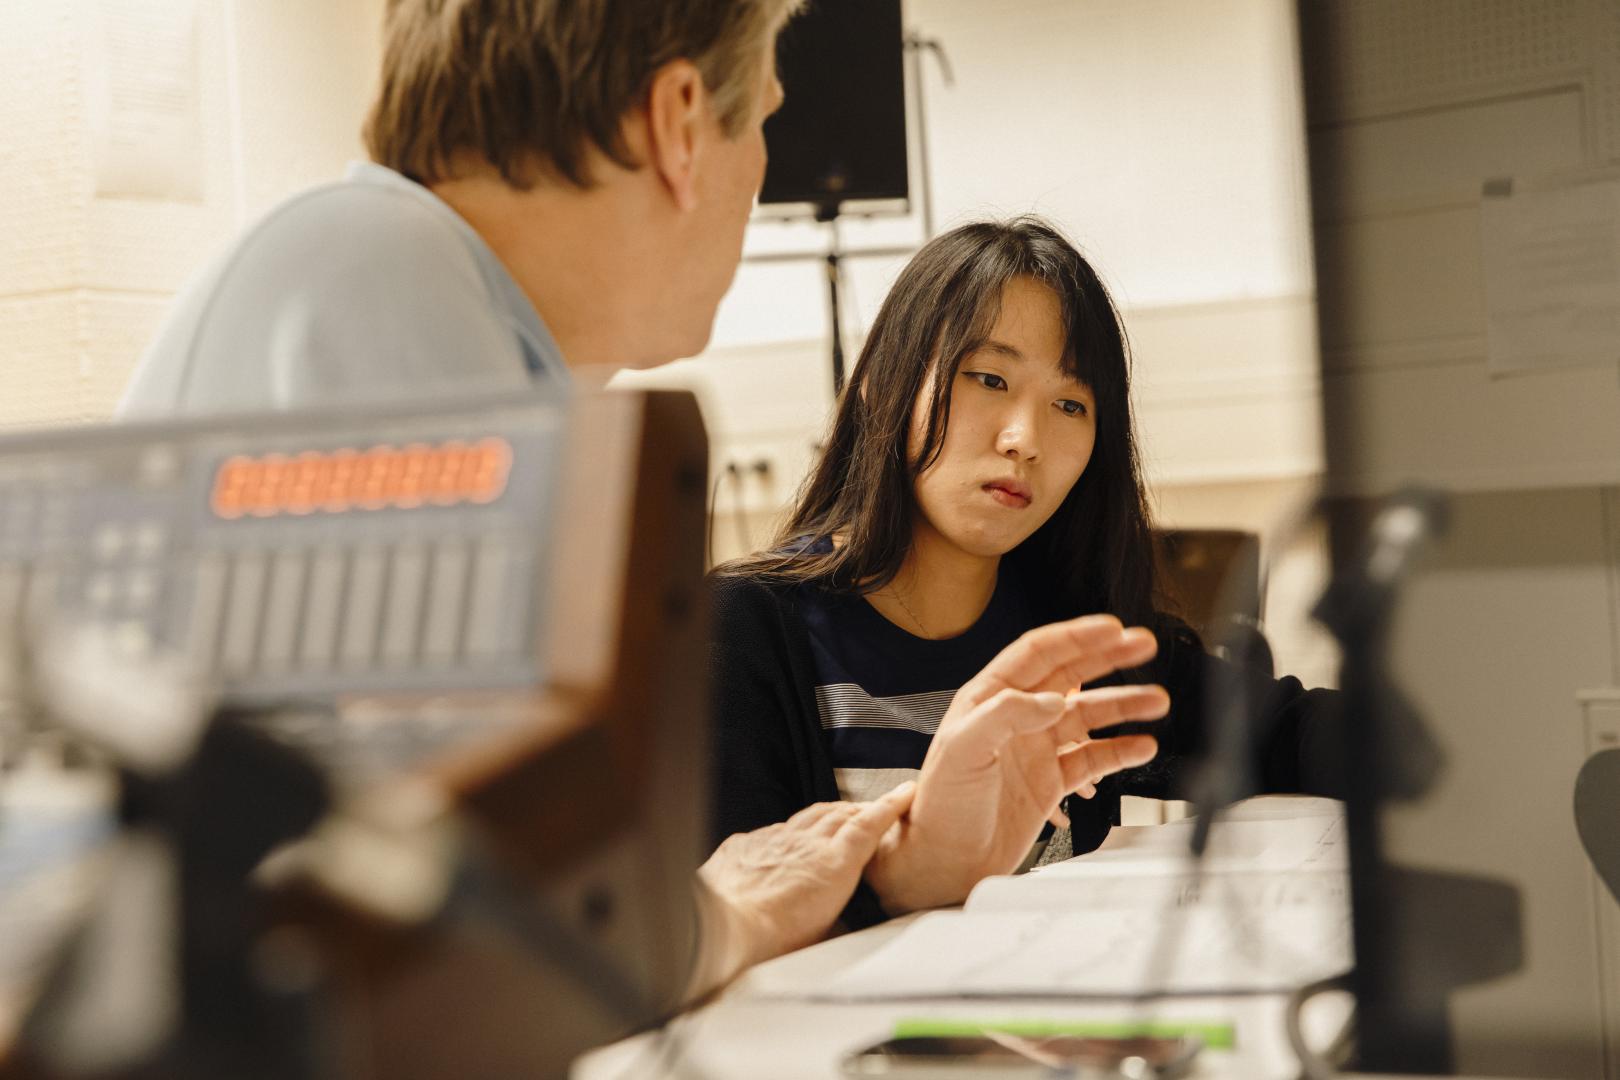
(755, 478)
(748, 493)
(750, 480)
(1601, 709)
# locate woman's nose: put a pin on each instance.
(1019, 439)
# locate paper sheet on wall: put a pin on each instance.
(142, 99)
(1271, 912)
(1551, 262)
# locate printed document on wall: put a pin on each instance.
(143, 99)
(1551, 260)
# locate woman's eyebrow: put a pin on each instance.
(1003, 349)
(1080, 385)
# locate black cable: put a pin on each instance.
(714, 501)
(744, 540)
(916, 44)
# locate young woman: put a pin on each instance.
(955, 580)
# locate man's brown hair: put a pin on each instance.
(528, 85)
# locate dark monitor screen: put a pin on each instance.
(841, 131)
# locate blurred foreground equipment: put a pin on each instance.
(406, 717)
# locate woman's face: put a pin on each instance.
(1019, 434)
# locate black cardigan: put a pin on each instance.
(771, 757)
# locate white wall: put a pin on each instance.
(272, 93)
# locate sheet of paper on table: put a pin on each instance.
(1269, 912)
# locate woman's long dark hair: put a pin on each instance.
(1094, 553)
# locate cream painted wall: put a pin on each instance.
(279, 90)
(304, 73)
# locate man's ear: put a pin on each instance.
(677, 119)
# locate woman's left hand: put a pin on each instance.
(1015, 741)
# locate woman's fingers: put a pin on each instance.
(1065, 655)
(1070, 718)
(1089, 711)
(1084, 765)
(1007, 715)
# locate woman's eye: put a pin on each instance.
(989, 381)
(1071, 407)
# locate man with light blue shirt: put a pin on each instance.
(365, 288)
(510, 226)
(554, 184)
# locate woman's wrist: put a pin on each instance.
(906, 878)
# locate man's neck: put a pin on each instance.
(572, 251)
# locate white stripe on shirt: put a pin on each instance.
(846, 705)
(864, 785)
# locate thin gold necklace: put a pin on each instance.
(902, 602)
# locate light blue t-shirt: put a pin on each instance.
(370, 288)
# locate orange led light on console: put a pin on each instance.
(378, 478)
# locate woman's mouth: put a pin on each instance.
(1010, 494)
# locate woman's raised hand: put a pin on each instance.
(1015, 741)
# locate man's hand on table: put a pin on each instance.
(1015, 741)
(776, 889)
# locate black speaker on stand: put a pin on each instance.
(840, 135)
(835, 274)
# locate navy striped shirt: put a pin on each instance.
(881, 691)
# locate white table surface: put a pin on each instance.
(748, 1035)
(752, 1032)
